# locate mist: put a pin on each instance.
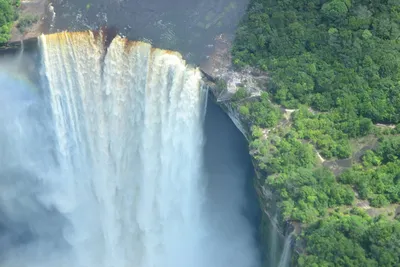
(232, 207)
(30, 224)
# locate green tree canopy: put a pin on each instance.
(7, 16)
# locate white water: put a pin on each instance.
(286, 253)
(103, 168)
(273, 241)
(21, 53)
(129, 132)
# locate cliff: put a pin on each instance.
(226, 83)
(283, 155)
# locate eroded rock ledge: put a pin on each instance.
(224, 80)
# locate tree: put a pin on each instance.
(7, 16)
(335, 10)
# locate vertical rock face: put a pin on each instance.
(224, 81)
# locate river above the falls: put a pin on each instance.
(187, 26)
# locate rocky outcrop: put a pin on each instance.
(219, 66)
(43, 14)
(15, 47)
(224, 80)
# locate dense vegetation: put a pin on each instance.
(8, 15)
(306, 189)
(259, 111)
(378, 177)
(330, 132)
(337, 62)
(337, 54)
(353, 239)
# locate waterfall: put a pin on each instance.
(286, 253)
(273, 240)
(128, 129)
(21, 52)
(101, 163)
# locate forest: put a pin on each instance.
(8, 15)
(331, 55)
(337, 64)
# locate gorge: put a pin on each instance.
(323, 136)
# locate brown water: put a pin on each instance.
(188, 26)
